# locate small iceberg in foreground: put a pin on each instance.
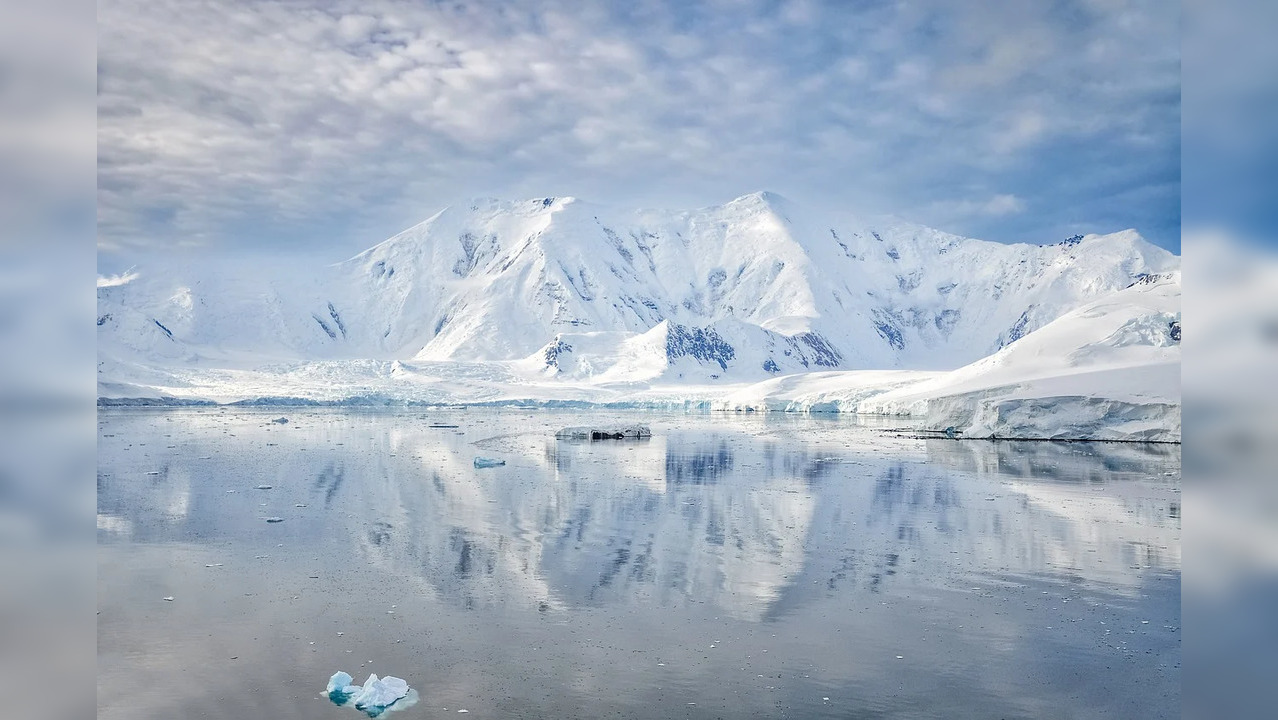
(374, 697)
(483, 462)
(617, 432)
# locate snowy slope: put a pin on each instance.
(757, 304)
(753, 288)
(1107, 370)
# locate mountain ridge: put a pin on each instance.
(785, 288)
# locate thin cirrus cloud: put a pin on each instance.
(329, 125)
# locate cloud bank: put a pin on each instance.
(330, 125)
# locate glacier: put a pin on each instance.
(756, 305)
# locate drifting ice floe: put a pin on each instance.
(483, 462)
(604, 433)
(375, 697)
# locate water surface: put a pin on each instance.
(730, 566)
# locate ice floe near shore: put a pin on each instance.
(611, 432)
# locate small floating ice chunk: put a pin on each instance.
(614, 432)
(339, 681)
(263, 487)
(274, 519)
(381, 693)
(280, 421)
(483, 462)
(376, 696)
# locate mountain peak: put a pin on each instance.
(498, 279)
(762, 197)
(493, 204)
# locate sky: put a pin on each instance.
(325, 127)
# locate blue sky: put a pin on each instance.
(328, 126)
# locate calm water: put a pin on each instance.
(742, 566)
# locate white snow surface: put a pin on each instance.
(758, 304)
(1109, 370)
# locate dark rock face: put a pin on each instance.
(885, 324)
(823, 353)
(1149, 278)
(554, 351)
(1017, 331)
(703, 344)
(946, 321)
(324, 326)
(332, 312)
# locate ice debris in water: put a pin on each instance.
(280, 421)
(483, 462)
(376, 696)
(618, 432)
(340, 681)
(274, 519)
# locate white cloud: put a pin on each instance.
(958, 211)
(1021, 131)
(1000, 205)
(340, 122)
(123, 278)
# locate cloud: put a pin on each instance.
(1000, 205)
(960, 211)
(117, 280)
(334, 124)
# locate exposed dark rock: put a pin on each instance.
(628, 432)
(703, 344)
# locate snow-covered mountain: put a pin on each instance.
(1109, 370)
(565, 289)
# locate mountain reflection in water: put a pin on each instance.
(757, 519)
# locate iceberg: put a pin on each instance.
(380, 693)
(374, 697)
(339, 684)
(483, 462)
(626, 432)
